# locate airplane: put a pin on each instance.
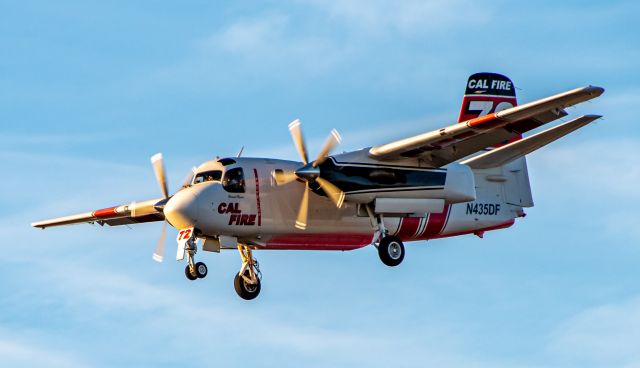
(466, 178)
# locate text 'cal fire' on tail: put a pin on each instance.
(487, 93)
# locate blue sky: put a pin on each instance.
(89, 90)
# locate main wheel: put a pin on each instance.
(190, 276)
(201, 270)
(244, 289)
(391, 251)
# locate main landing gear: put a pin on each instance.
(194, 270)
(390, 248)
(247, 281)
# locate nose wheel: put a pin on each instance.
(247, 281)
(194, 270)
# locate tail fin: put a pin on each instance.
(487, 93)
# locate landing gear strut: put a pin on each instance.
(247, 281)
(390, 248)
(194, 270)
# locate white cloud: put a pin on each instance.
(275, 39)
(19, 354)
(104, 295)
(417, 16)
(298, 49)
(603, 169)
(605, 335)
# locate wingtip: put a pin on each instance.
(592, 117)
(595, 90)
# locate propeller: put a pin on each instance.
(158, 254)
(159, 170)
(310, 172)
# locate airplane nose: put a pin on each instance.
(182, 210)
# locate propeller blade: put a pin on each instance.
(301, 221)
(298, 140)
(158, 169)
(333, 192)
(159, 253)
(284, 177)
(333, 140)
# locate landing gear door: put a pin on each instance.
(183, 237)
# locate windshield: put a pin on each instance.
(213, 175)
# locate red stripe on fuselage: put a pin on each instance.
(408, 227)
(255, 172)
(503, 225)
(319, 241)
(436, 223)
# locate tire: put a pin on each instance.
(391, 251)
(201, 270)
(245, 290)
(190, 276)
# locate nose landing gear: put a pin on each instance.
(194, 270)
(247, 281)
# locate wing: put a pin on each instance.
(507, 153)
(442, 146)
(133, 213)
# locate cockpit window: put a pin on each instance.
(226, 161)
(233, 180)
(214, 175)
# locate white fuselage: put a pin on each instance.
(264, 213)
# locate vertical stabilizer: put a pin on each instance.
(487, 93)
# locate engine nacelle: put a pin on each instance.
(365, 182)
(460, 185)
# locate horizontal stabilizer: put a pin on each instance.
(505, 154)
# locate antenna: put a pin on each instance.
(240, 153)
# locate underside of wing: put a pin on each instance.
(507, 153)
(134, 213)
(449, 144)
